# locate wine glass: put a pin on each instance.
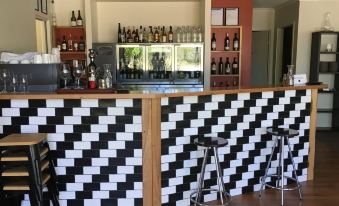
(4, 77)
(14, 82)
(77, 73)
(23, 82)
(65, 74)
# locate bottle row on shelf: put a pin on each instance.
(227, 43)
(72, 44)
(225, 68)
(225, 84)
(134, 73)
(76, 21)
(157, 34)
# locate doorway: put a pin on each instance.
(287, 48)
(260, 58)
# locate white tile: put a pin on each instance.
(255, 110)
(231, 112)
(272, 116)
(124, 103)
(125, 170)
(267, 95)
(116, 111)
(190, 163)
(100, 195)
(218, 98)
(241, 183)
(164, 101)
(134, 194)
(190, 131)
(124, 136)
(267, 123)
(82, 145)
(238, 133)
(237, 104)
(60, 170)
(278, 108)
(183, 172)
(89, 103)
(164, 134)
(61, 162)
(109, 186)
(133, 128)
(72, 120)
(100, 161)
(224, 120)
(242, 155)
(175, 149)
(300, 106)
(168, 125)
(64, 128)
(66, 195)
(116, 145)
(168, 158)
(73, 154)
(55, 103)
(83, 178)
(243, 125)
(235, 163)
(168, 190)
(190, 99)
(72, 187)
(249, 118)
(237, 191)
(52, 145)
(248, 147)
(137, 119)
(288, 121)
(10, 112)
(130, 161)
(29, 129)
(5, 121)
(137, 153)
(244, 96)
(46, 112)
(218, 128)
(175, 181)
(284, 100)
(183, 140)
(19, 103)
(183, 108)
(247, 175)
(197, 123)
(99, 128)
(306, 99)
(108, 153)
(294, 113)
(253, 167)
(229, 171)
(117, 178)
(164, 167)
(211, 106)
(175, 117)
(90, 137)
(261, 102)
(37, 120)
(164, 199)
(129, 202)
(91, 202)
(81, 112)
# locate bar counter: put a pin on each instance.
(136, 148)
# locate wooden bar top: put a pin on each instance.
(22, 139)
(156, 93)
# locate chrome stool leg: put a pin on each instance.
(294, 170)
(202, 174)
(282, 169)
(220, 179)
(263, 179)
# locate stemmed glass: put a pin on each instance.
(14, 82)
(77, 73)
(65, 74)
(4, 77)
(24, 82)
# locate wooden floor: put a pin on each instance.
(322, 191)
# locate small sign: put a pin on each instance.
(300, 79)
(217, 17)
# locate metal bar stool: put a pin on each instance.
(26, 167)
(283, 135)
(211, 143)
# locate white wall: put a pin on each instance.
(63, 10)
(264, 20)
(143, 13)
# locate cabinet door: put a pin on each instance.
(189, 63)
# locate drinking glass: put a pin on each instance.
(23, 82)
(4, 77)
(14, 82)
(77, 73)
(65, 74)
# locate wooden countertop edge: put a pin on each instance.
(152, 96)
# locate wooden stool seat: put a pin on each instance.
(23, 185)
(22, 171)
(22, 139)
(10, 156)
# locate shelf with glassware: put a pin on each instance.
(149, 63)
(71, 42)
(226, 57)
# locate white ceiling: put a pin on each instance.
(267, 3)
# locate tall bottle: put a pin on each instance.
(123, 35)
(156, 35)
(214, 43)
(235, 42)
(64, 44)
(73, 20)
(221, 67)
(235, 66)
(164, 35)
(150, 35)
(213, 67)
(227, 66)
(119, 34)
(79, 19)
(136, 36)
(91, 70)
(70, 43)
(82, 45)
(170, 35)
(227, 42)
(141, 35)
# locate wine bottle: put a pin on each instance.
(133, 33)
(82, 45)
(235, 67)
(64, 44)
(221, 67)
(150, 35)
(91, 70)
(73, 20)
(235, 42)
(141, 35)
(164, 35)
(227, 66)
(170, 35)
(75, 45)
(214, 42)
(119, 34)
(156, 35)
(213, 67)
(145, 36)
(79, 19)
(70, 43)
(227, 42)
(136, 36)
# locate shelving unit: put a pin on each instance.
(328, 103)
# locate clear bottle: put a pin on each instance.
(108, 76)
(195, 34)
(178, 36)
(200, 36)
(290, 75)
(183, 34)
(188, 34)
(141, 35)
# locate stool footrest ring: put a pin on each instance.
(226, 194)
(278, 188)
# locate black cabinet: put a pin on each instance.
(324, 68)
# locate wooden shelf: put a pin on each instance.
(225, 75)
(73, 52)
(223, 51)
(69, 27)
(225, 27)
(325, 52)
(328, 72)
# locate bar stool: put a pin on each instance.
(283, 135)
(26, 167)
(211, 143)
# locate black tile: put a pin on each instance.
(82, 162)
(61, 146)
(164, 117)
(243, 111)
(47, 128)
(91, 186)
(70, 103)
(125, 186)
(107, 136)
(176, 133)
(90, 153)
(273, 101)
(175, 100)
(278, 94)
(133, 111)
(168, 109)
(301, 93)
(90, 120)
(249, 132)
(267, 109)
(55, 120)
(5, 103)
(204, 130)
(107, 103)
(218, 113)
(82, 195)
(116, 128)
(211, 121)
(256, 95)
(10, 129)
(250, 103)
(137, 103)
(125, 153)
(237, 119)
(99, 145)
(73, 137)
(256, 124)
(28, 112)
(20, 120)
(183, 124)
(224, 105)
(63, 112)
(231, 97)
(133, 144)
(37, 103)
(81, 128)
(98, 111)
(188, 116)
(204, 98)
(100, 178)
(117, 194)
(124, 119)
(197, 107)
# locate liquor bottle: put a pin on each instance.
(73, 20)
(235, 67)
(70, 43)
(91, 70)
(133, 33)
(64, 44)
(235, 42)
(227, 66)
(129, 37)
(82, 45)
(123, 35)
(136, 36)
(141, 35)
(213, 67)
(79, 19)
(221, 67)
(170, 35)
(227, 42)
(75, 45)
(164, 35)
(119, 34)
(156, 35)
(145, 36)
(214, 42)
(150, 35)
